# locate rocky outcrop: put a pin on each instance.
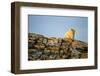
(44, 48)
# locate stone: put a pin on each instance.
(39, 46)
(53, 48)
(30, 58)
(32, 50)
(59, 40)
(52, 56)
(52, 41)
(80, 46)
(64, 56)
(40, 40)
(45, 41)
(43, 57)
(44, 48)
(75, 54)
(61, 52)
(84, 55)
(47, 52)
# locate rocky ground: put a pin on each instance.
(44, 48)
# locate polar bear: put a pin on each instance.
(70, 34)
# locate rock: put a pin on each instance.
(32, 51)
(58, 57)
(84, 55)
(64, 56)
(43, 57)
(45, 41)
(59, 40)
(80, 46)
(31, 44)
(30, 58)
(44, 48)
(53, 48)
(39, 46)
(52, 41)
(47, 52)
(61, 52)
(75, 54)
(52, 56)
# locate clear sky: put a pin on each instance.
(56, 26)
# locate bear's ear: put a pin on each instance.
(73, 29)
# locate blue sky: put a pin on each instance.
(56, 26)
